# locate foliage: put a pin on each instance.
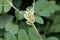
(13, 24)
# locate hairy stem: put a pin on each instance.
(36, 31)
(14, 6)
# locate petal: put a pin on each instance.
(28, 23)
(25, 16)
(26, 12)
(31, 9)
(27, 9)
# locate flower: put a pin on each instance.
(29, 16)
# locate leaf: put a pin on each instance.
(29, 7)
(44, 13)
(12, 28)
(1, 39)
(32, 34)
(40, 5)
(23, 25)
(0, 9)
(9, 36)
(17, 3)
(6, 6)
(22, 35)
(56, 24)
(5, 19)
(45, 8)
(47, 11)
(52, 38)
(43, 37)
(19, 16)
(57, 28)
(39, 20)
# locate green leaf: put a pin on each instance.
(40, 5)
(29, 7)
(22, 35)
(45, 8)
(43, 37)
(9, 36)
(52, 38)
(39, 20)
(13, 28)
(5, 4)
(5, 19)
(44, 13)
(55, 28)
(32, 34)
(1, 39)
(0, 9)
(17, 3)
(19, 16)
(23, 25)
(47, 11)
(56, 24)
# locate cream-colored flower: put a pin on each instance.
(29, 15)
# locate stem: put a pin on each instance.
(2, 8)
(36, 31)
(14, 6)
(49, 25)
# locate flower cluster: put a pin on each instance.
(29, 16)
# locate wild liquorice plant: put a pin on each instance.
(19, 29)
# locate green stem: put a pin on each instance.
(14, 7)
(36, 31)
(2, 8)
(49, 25)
